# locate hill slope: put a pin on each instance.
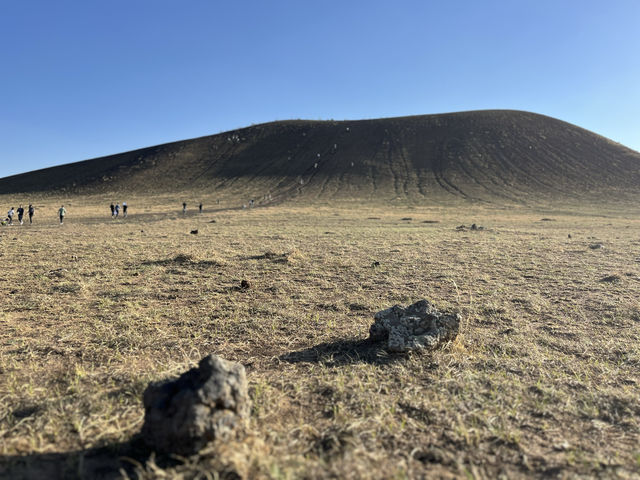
(487, 155)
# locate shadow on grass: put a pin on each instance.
(105, 463)
(272, 256)
(343, 352)
(182, 259)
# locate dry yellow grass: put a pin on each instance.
(543, 380)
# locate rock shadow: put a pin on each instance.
(343, 352)
(103, 463)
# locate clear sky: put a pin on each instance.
(85, 78)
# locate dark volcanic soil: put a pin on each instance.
(484, 155)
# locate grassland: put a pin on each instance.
(543, 380)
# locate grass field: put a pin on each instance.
(543, 381)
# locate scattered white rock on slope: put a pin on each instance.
(417, 327)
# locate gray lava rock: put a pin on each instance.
(206, 403)
(417, 327)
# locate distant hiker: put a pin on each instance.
(251, 203)
(62, 212)
(117, 209)
(31, 212)
(124, 209)
(10, 215)
(184, 208)
(200, 207)
(113, 209)
(20, 214)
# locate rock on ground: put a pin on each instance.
(416, 327)
(209, 402)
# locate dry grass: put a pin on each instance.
(543, 380)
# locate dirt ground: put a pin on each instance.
(543, 380)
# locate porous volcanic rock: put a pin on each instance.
(208, 402)
(416, 327)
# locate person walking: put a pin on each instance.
(117, 209)
(31, 212)
(184, 208)
(62, 212)
(10, 215)
(200, 207)
(124, 209)
(113, 210)
(20, 214)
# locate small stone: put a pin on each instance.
(562, 446)
(417, 327)
(209, 402)
(595, 246)
(611, 278)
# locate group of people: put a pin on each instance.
(184, 208)
(115, 210)
(30, 211)
(20, 211)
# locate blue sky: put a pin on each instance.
(83, 79)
